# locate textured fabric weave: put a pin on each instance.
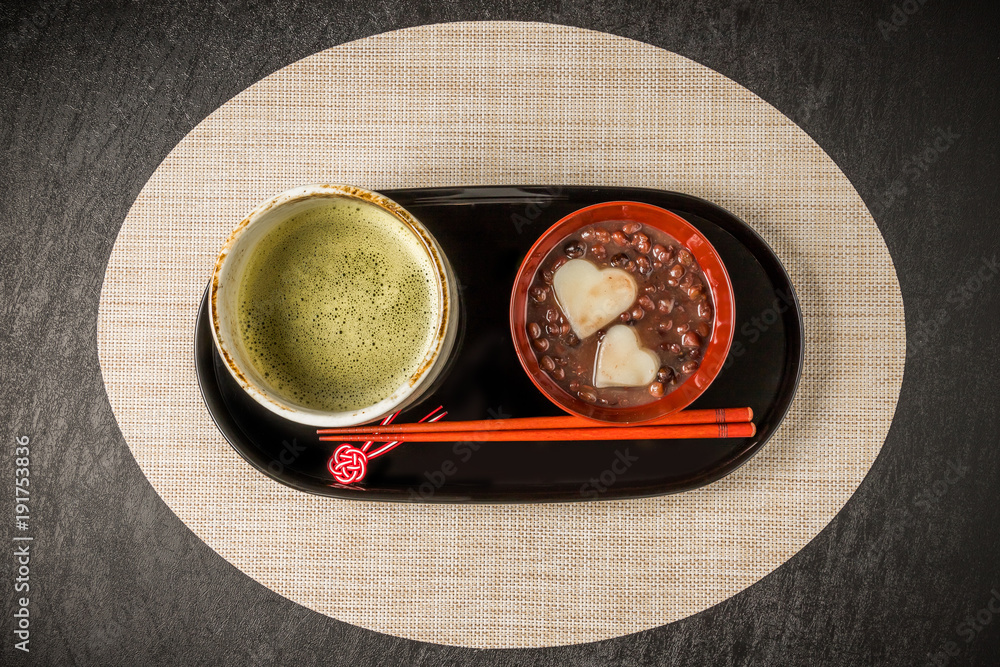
(514, 103)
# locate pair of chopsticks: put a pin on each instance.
(718, 423)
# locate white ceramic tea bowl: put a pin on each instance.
(226, 281)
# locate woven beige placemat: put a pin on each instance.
(494, 103)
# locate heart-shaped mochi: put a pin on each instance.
(622, 361)
(592, 297)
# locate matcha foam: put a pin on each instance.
(338, 306)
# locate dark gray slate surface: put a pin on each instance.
(94, 96)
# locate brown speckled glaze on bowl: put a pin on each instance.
(223, 286)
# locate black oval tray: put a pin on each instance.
(485, 232)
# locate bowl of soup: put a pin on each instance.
(622, 312)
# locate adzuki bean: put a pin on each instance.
(673, 314)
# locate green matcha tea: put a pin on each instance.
(338, 306)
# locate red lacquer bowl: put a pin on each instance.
(721, 294)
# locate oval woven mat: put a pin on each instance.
(517, 103)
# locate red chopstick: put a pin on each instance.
(712, 416)
(661, 432)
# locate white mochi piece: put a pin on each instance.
(592, 297)
(622, 361)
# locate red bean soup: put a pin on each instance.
(619, 314)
